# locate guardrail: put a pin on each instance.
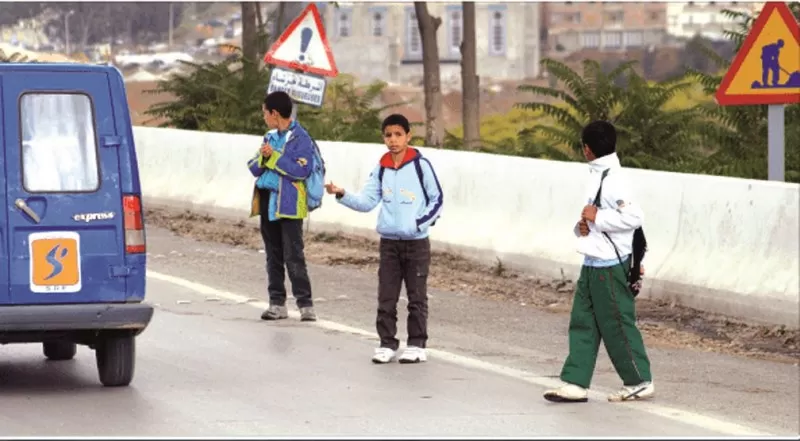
(719, 244)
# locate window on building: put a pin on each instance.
(378, 24)
(633, 38)
(655, 15)
(413, 39)
(590, 39)
(343, 23)
(59, 147)
(615, 17)
(497, 32)
(455, 29)
(612, 40)
(575, 17)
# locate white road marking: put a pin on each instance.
(682, 416)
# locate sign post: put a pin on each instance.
(302, 58)
(766, 70)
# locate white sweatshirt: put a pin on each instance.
(618, 216)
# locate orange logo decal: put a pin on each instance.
(55, 262)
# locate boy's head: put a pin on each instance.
(599, 139)
(277, 107)
(396, 133)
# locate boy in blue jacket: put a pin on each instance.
(281, 168)
(412, 201)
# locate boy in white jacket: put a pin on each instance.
(604, 307)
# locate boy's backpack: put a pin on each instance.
(418, 168)
(315, 183)
(639, 248)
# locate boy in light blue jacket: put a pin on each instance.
(412, 201)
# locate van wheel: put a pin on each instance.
(115, 356)
(60, 350)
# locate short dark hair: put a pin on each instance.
(396, 119)
(279, 102)
(601, 137)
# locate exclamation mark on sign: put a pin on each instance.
(305, 39)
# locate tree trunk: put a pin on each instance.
(261, 32)
(428, 25)
(249, 32)
(470, 92)
(249, 40)
(278, 28)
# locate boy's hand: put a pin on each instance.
(332, 189)
(589, 213)
(583, 227)
(266, 150)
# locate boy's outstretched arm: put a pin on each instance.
(368, 198)
(435, 196)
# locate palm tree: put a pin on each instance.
(591, 96)
(651, 136)
(223, 97)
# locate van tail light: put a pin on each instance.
(134, 224)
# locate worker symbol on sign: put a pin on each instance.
(770, 64)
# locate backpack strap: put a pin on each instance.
(418, 168)
(600, 189)
(597, 203)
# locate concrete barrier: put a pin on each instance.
(724, 245)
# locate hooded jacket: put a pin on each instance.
(405, 213)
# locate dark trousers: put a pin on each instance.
(283, 244)
(403, 261)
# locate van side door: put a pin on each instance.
(64, 203)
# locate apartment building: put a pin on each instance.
(572, 26)
(381, 41)
(687, 19)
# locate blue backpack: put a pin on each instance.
(315, 183)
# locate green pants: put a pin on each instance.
(604, 308)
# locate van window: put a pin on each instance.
(59, 147)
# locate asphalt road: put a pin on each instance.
(208, 366)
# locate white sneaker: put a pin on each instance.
(632, 393)
(413, 354)
(383, 355)
(568, 393)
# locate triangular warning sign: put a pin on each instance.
(304, 46)
(766, 70)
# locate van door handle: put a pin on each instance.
(27, 210)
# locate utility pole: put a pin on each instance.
(66, 31)
(171, 21)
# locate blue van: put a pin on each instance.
(72, 239)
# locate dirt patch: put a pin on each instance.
(663, 324)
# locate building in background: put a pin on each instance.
(381, 41)
(687, 19)
(572, 26)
